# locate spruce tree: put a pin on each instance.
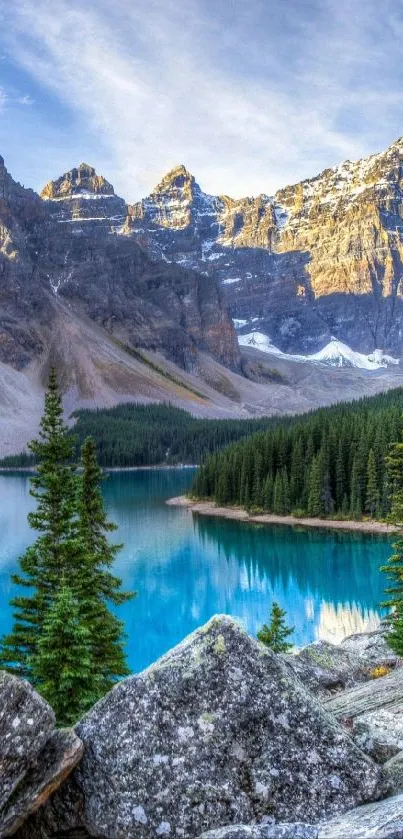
(372, 492)
(62, 665)
(394, 567)
(56, 548)
(276, 633)
(97, 586)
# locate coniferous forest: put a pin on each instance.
(149, 435)
(331, 462)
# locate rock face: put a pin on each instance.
(371, 648)
(320, 258)
(217, 731)
(68, 248)
(326, 668)
(34, 758)
(263, 831)
(382, 820)
(394, 772)
(378, 693)
(379, 733)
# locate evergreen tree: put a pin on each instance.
(276, 633)
(372, 493)
(56, 548)
(97, 586)
(62, 664)
(394, 567)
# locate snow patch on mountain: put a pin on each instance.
(334, 354)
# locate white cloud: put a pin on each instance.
(3, 98)
(164, 82)
(25, 100)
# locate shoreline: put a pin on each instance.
(163, 466)
(210, 508)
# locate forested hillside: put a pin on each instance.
(330, 462)
(149, 435)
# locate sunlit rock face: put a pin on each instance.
(318, 259)
(83, 196)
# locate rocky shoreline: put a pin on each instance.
(210, 508)
(219, 739)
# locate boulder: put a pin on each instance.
(372, 648)
(218, 731)
(386, 692)
(382, 820)
(327, 668)
(394, 772)
(26, 722)
(34, 757)
(52, 765)
(263, 831)
(379, 734)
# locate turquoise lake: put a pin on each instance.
(187, 568)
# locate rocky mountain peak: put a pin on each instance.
(81, 181)
(178, 178)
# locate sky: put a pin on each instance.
(249, 96)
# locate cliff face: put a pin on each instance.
(68, 246)
(320, 258)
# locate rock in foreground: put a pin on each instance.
(326, 668)
(34, 758)
(218, 731)
(382, 820)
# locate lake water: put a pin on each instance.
(187, 568)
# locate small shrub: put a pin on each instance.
(380, 671)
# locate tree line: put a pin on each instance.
(150, 435)
(331, 462)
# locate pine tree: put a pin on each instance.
(56, 548)
(372, 493)
(276, 633)
(62, 664)
(394, 566)
(98, 587)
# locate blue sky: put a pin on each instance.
(249, 96)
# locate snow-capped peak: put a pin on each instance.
(334, 354)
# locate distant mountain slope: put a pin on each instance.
(320, 258)
(129, 303)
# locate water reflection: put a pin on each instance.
(187, 567)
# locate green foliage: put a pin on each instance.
(97, 585)
(64, 638)
(329, 463)
(394, 567)
(56, 549)
(151, 435)
(276, 633)
(62, 664)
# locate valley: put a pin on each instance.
(201, 301)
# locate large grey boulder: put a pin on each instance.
(34, 757)
(372, 648)
(26, 722)
(382, 820)
(218, 731)
(394, 773)
(379, 734)
(386, 692)
(327, 668)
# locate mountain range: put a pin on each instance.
(147, 301)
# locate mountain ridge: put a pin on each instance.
(320, 257)
(130, 303)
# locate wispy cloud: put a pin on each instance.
(3, 98)
(249, 98)
(25, 100)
